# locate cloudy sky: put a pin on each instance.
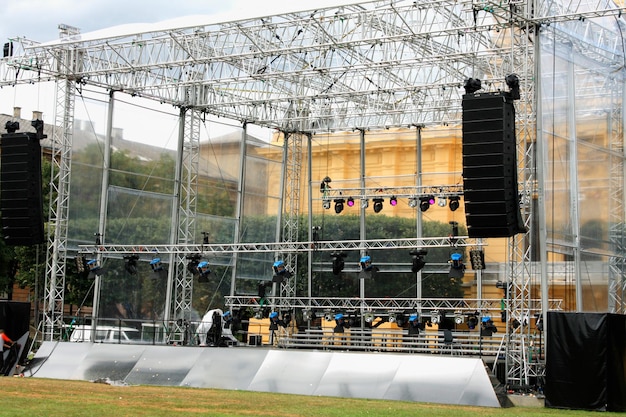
(38, 19)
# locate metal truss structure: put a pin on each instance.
(277, 247)
(371, 65)
(397, 305)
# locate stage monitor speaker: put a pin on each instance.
(490, 166)
(21, 201)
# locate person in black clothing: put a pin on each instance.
(414, 331)
(414, 325)
(340, 326)
(11, 359)
(275, 321)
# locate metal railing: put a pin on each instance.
(462, 343)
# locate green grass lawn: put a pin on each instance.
(49, 397)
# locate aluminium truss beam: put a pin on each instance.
(276, 247)
(427, 305)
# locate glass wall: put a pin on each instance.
(582, 136)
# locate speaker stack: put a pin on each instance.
(490, 187)
(21, 201)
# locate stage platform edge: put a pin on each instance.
(433, 378)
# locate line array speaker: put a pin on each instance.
(490, 166)
(21, 201)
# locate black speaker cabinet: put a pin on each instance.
(490, 166)
(21, 201)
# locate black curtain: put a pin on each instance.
(585, 357)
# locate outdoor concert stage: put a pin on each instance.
(436, 378)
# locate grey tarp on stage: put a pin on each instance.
(390, 376)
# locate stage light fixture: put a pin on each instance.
(400, 319)
(458, 318)
(156, 264)
(329, 316)
(130, 264)
(365, 203)
(472, 85)
(192, 263)
(442, 201)
(425, 203)
(457, 268)
(280, 271)
(413, 202)
(392, 316)
(338, 262)
(435, 317)
(308, 315)
(324, 187)
(512, 81)
(393, 201)
(368, 270)
(454, 202)
(339, 205)
(94, 266)
(326, 204)
(262, 288)
(472, 322)
(418, 259)
(350, 202)
(81, 264)
(368, 317)
(204, 271)
(477, 259)
(378, 204)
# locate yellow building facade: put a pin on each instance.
(403, 158)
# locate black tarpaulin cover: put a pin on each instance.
(585, 357)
